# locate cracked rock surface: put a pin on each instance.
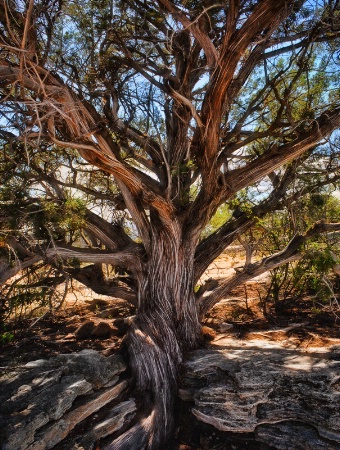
(285, 397)
(44, 400)
(289, 398)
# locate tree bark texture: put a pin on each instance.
(166, 324)
(171, 170)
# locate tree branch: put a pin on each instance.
(290, 253)
(211, 247)
(265, 14)
(92, 277)
(194, 27)
(112, 235)
(7, 272)
(92, 144)
(129, 258)
(276, 157)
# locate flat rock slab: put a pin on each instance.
(44, 400)
(288, 397)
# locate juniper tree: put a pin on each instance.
(185, 106)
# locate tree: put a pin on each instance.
(185, 106)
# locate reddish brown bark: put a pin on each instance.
(171, 180)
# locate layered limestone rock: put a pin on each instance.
(284, 397)
(43, 401)
(288, 398)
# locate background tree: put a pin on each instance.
(185, 106)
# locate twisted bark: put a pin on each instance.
(166, 324)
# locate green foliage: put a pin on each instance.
(6, 337)
(74, 214)
(242, 203)
(25, 297)
(221, 216)
(311, 274)
(58, 218)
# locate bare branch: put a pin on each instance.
(92, 277)
(280, 155)
(291, 253)
(265, 15)
(7, 272)
(127, 258)
(81, 124)
(196, 30)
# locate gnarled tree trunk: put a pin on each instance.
(166, 324)
(164, 106)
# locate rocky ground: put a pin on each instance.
(241, 375)
(100, 325)
(239, 341)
